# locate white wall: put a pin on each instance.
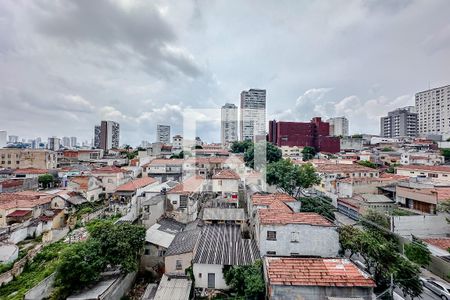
(202, 282)
(421, 225)
(312, 240)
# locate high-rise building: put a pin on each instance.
(3, 136)
(163, 133)
(302, 134)
(65, 141)
(177, 142)
(433, 111)
(97, 131)
(73, 141)
(338, 126)
(401, 122)
(109, 135)
(13, 139)
(253, 115)
(229, 124)
(54, 143)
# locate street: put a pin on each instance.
(426, 295)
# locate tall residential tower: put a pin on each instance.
(401, 122)
(433, 108)
(253, 115)
(163, 134)
(338, 126)
(229, 124)
(109, 135)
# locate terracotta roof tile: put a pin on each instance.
(281, 217)
(108, 169)
(19, 213)
(425, 168)
(316, 272)
(136, 184)
(343, 168)
(82, 181)
(443, 243)
(30, 171)
(191, 185)
(226, 174)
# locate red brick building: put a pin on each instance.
(301, 134)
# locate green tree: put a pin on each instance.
(320, 205)
(367, 163)
(273, 153)
(446, 153)
(80, 265)
(240, 147)
(179, 155)
(308, 153)
(247, 281)
(387, 149)
(418, 252)
(290, 177)
(46, 180)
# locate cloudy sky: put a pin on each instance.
(65, 65)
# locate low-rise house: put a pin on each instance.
(358, 205)
(152, 209)
(89, 186)
(220, 246)
(330, 173)
(183, 199)
(30, 173)
(439, 172)
(110, 177)
(283, 232)
(226, 182)
(14, 185)
(348, 187)
(180, 253)
(125, 199)
(218, 215)
(274, 201)
(157, 239)
(164, 169)
(315, 279)
(422, 158)
(52, 219)
(15, 158)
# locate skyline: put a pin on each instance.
(141, 63)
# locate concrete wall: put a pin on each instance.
(170, 262)
(8, 253)
(201, 276)
(421, 225)
(42, 290)
(312, 240)
(155, 212)
(18, 235)
(120, 287)
(227, 186)
(284, 292)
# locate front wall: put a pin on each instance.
(313, 240)
(317, 293)
(171, 261)
(202, 282)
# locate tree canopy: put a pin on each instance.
(418, 252)
(247, 281)
(320, 205)
(115, 245)
(446, 153)
(45, 180)
(240, 147)
(273, 154)
(290, 177)
(367, 163)
(308, 153)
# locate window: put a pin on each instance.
(175, 202)
(271, 235)
(178, 265)
(147, 251)
(219, 182)
(161, 253)
(271, 253)
(295, 254)
(199, 275)
(183, 201)
(294, 237)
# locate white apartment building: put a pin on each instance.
(54, 143)
(163, 133)
(3, 135)
(73, 141)
(433, 108)
(399, 123)
(253, 115)
(65, 141)
(229, 124)
(109, 135)
(338, 126)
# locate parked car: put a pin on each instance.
(438, 287)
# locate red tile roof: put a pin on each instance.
(19, 213)
(282, 217)
(188, 186)
(335, 272)
(82, 181)
(226, 174)
(275, 201)
(23, 200)
(161, 161)
(426, 168)
(30, 171)
(443, 243)
(136, 184)
(343, 168)
(108, 169)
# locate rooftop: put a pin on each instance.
(108, 170)
(225, 214)
(184, 242)
(173, 287)
(191, 185)
(223, 245)
(336, 272)
(425, 168)
(160, 161)
(30, 171)
(277, 217)
(343, 168)
(136, 184)
(442, 243)
(226, 174)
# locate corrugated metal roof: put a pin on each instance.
(173, 288)
(223, 245)
(227, 214)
